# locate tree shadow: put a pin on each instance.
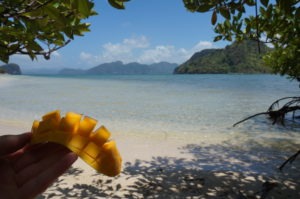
(213, 171)
(100, 188)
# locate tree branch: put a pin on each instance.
(44, 53)
(290, 160)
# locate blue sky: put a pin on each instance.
(146, 32)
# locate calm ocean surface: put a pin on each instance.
(176, 105)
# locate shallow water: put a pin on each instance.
(196, 107)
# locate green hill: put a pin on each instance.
(235, 58)
(13, 69)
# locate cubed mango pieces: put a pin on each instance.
(52, 115)
(109, 162)
(100, 136)
(70, 122)
(76, 133)
(86, 126)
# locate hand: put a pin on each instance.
(27, 170)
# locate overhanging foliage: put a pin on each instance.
(274, 22)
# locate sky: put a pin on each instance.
(146, 32)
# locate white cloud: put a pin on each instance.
(126, 46)
(139, 42)
(138, 49)
(171, 53)
(157, 54)
(55, 54)
(124, 51)
(85, 56)
(202, 45)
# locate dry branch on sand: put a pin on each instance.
(279, 115)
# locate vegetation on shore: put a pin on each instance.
(235, 58)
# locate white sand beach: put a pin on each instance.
(166, 168)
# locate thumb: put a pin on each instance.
(12, 143)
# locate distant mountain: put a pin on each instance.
(235, 58)
(13, 69)
(119, 68)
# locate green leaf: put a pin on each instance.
(217, 38)
(55, 15)
(35, 46)
(85, 8)
(214, 18)
(228, 37)
(227, 24)
(1, 8)
(116, 4)
(81, 28)
(204, 8)
(225, 12)
(250, 2)
(241, 9)
(248, 28)
(4, 56)
(297, 15)
(264, 2)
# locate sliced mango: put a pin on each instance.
(35, 125)
(78, 141)
(106, 163)
(60, 137)
(100, 136)
(47, 125)
(75, 132)
(92, 150)
(70, 122)
(52, 115)
(86, 126)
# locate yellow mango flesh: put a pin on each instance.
(86, 126)
(100, 136)
(75, 132)
(70, 122)
(92, 150)
(52, 115)
(110, 161)
(78, 141)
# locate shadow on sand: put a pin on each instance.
(214, 171)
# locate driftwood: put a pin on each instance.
(289, 160)
(278, 115)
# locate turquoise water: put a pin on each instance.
(203, 105)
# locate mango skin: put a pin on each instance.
(76, 133)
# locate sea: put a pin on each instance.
(202, 108)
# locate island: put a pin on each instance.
(243, 57)
(12, 69)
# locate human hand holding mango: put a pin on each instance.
(75, 132)
(27, 170)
